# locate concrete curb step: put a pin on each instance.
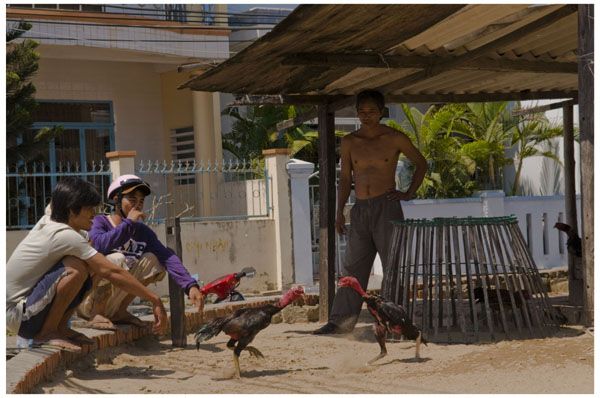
(30, 367)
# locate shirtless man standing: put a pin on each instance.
(369, 156)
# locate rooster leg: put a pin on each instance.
(231, 344)
(255, 352)
(380, 334)
(418, 353)
(236, 362)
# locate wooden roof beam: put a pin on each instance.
(482, 50)
(359, 60)
(543, 108)
(247, 99)
(342, 101)
(479, 97)
(298, 120)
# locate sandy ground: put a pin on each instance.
(298, 362)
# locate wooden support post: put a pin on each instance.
(585, 55)
(177, 305)
(575, 276)
(327, 199)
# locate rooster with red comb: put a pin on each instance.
(244, 324)
(389, 317)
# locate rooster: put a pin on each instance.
(389, 317)
(244, 324)
(573, 240)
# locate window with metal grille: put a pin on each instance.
(175, 12)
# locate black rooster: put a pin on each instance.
(244, 324)
(389, 317)
(573, 240)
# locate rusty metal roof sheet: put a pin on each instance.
(417, 51)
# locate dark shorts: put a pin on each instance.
(37, 306)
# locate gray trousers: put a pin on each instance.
(370, 233)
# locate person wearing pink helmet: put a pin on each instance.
(125, 240)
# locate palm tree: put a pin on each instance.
(434, 133)
(252, 130)
(531, 136)
(256, 130)
(487, 127)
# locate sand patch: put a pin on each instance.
(298, 362)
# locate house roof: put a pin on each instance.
(412, 53)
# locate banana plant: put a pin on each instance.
(435, 134)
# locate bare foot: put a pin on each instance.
(100, 322)
(56, 340)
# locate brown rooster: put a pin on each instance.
(244, 324)
(389, 317)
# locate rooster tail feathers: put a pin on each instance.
(209, 330)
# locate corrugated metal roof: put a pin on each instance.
(434, 49)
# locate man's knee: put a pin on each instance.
(116, 258)
(76, 267)
(153, 271)
(151, 258)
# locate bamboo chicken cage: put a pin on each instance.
(467, 280)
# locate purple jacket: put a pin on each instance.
(134, 239)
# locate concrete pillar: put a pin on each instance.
(221, 18)
(275, 161)
(299, 171)
(121, 162)
(208, 148)
(492, 203)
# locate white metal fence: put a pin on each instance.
(198, 191)
(29, 188)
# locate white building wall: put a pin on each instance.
(133, 88)
(217, 248)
